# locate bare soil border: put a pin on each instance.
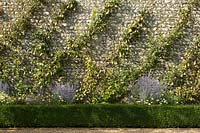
(100, 130)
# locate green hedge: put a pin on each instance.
(99, 116)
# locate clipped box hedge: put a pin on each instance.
(115, 115)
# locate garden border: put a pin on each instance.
(100, 115)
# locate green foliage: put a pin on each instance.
(80, 48)
(66, 9)
(162, 48)
(12, 67)
(28, 69)
(114, 116)
(132, 34)
(89, 85)
(76, 47)
(6, 99)
(109, 86)
(20, 26)
(115, 86)
(185, 79)
(195, 3)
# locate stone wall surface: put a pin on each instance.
(164, 17)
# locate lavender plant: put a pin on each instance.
(3, 87)
(54, 93)
(146, 90)
(63, 92)
(4, 97)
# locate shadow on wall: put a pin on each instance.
(1, 11)
(4, 87)
(3, 15)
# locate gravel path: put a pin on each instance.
(99, 130)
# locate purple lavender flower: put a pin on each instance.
(147, 88)
(4, 87)
(64, 91)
